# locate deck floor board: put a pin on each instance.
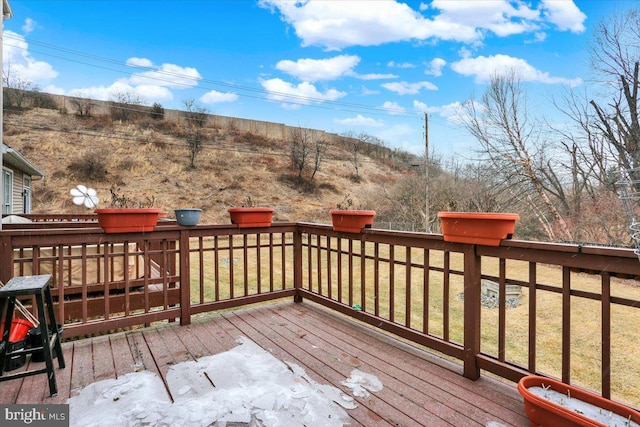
(433, 382)
(419, 388)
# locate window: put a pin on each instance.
(7, 191)
(26, 194)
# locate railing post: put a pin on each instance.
(472, 304)
(6, 258)
(297, 264)
(185, 279)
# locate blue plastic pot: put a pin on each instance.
(188, 216)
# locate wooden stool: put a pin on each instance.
(39, 287)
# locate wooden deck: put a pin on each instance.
(419, 388)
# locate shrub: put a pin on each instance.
(157, 111)
(44, 194)
(82, 106)
(43, 100)
(89, 167)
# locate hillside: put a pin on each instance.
(150, 159)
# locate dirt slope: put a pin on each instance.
(150, 159)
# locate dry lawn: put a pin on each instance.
(585, 314)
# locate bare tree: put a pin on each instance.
(511, 141)
(615, 55)
(125, 105)
(320, 148)
(299, 150)
(359, 145)
(306, 152)
(18, 89)
(82, 105)
(194, 114)
(590, 159)
(195, 117)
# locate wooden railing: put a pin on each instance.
(575, 315)
(565, 311)
(112, 281)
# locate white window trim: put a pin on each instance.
(26, 194)
(7, 194)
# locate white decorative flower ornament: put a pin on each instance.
(84, 196)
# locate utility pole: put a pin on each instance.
(427, 223)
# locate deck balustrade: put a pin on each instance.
(575, 319)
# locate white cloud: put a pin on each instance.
(139, 62)
(101, 93)
(484, 67)
(367, 91)
(312, 70)
(393, 108)
(18, 61)
(360, 120)
(53, 89)
(454, 109)
(214, 97)
(304, 93)
(501, 17)
(152, 93)
(166, 75)
(453, 112)
(339, 24)
(538, 37)
(565, 15)
(393, 64)
(375, 76)
(28, 26)
(422, 107)
(406, 88)
(147, 93)
(152, 85)
(402, 136)
(435, 67)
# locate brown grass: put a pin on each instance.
(585, 317)
(585, 314)
(151, 159)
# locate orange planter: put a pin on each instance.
(351, 221)
(543, 412)
(251, 217)
(479, 228)
(128, 220)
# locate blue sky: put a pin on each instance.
(358, 66)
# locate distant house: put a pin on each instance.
(17, 175)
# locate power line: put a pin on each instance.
(261, 93)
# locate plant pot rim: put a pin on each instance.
(479, 215)
(128, 210)
(128, 220)
(187, 209)
(586, 396)
(252, 209)
(351, 212)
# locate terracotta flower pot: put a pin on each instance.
(543, 412)
(351, 221)
(480, 228)
(128, 220)
(251, 217)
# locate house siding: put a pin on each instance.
(17, 201)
